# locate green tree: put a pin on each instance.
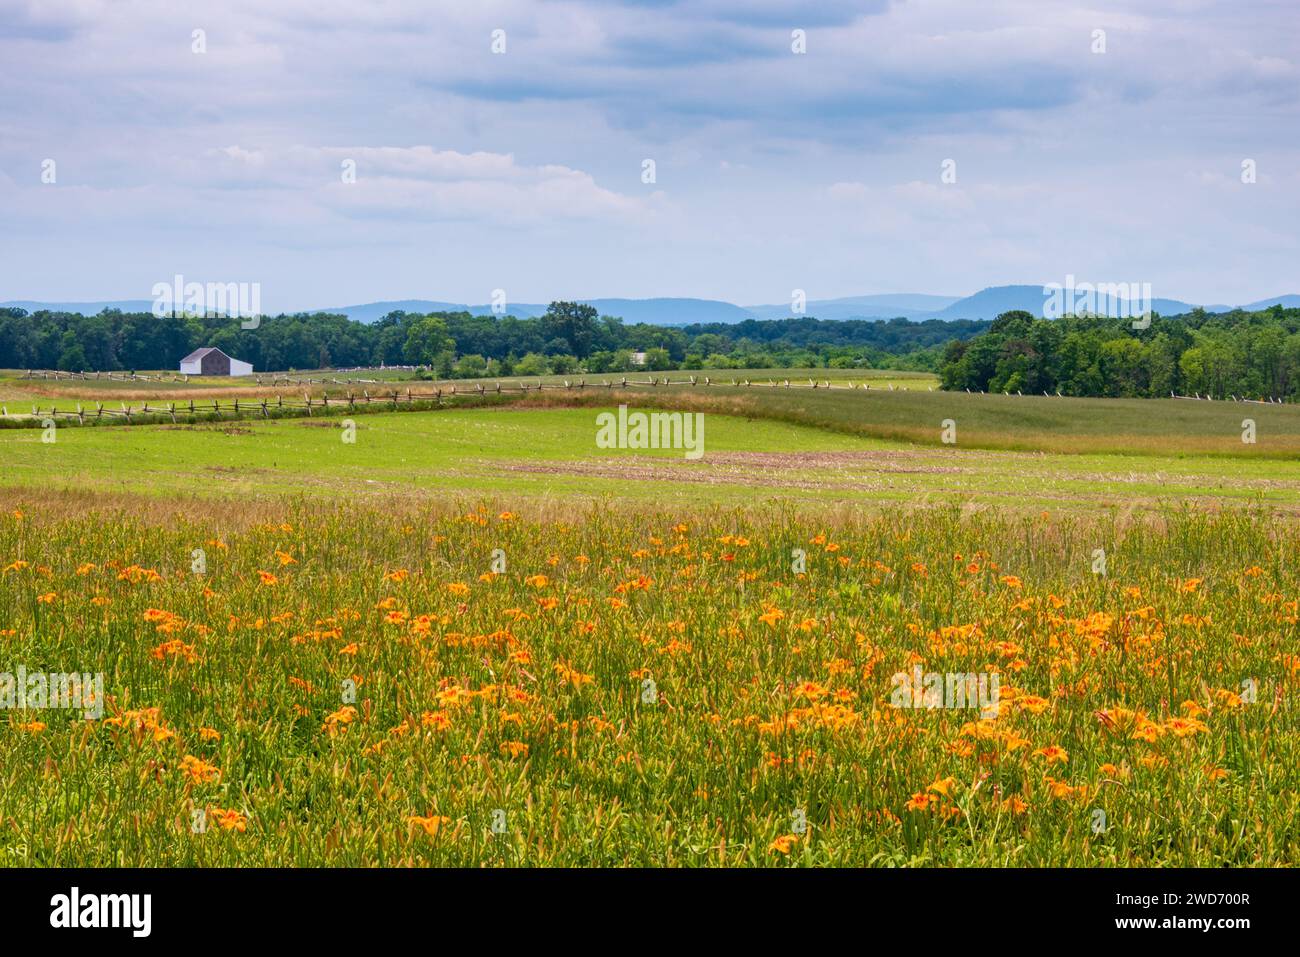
(574, 323)
(532, 364)
(427, 341)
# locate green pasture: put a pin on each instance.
(551, 452)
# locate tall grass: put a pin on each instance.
(350, 686)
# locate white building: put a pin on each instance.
(213, 361)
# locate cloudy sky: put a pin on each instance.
(524, 170)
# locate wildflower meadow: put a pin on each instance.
(488, 684)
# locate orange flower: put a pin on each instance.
(228, 820)
(1053, 754)
(339, 720)
(197, 770)
(920, 801)
(514, 748)
(429, 825)
(1031, 703)
(570, 676)
(810, 690)
(943, 785)
(174, 649)
(784, 843)
(437, 720)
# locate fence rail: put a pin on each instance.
(59, 374)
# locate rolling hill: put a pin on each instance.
(986, 304)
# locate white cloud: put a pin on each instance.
(822, 166)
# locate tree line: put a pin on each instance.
(570, 337)
(1246, 354)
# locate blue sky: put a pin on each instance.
(522, 170)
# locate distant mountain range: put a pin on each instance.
(985, 304)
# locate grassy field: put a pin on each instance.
(808, 447)
(471, 637)
(348, 686)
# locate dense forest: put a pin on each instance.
(1246, 354)
(570, 337)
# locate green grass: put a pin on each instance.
(1036, 423)
(551, 452)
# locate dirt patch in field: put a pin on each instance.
(797, 470)
(228, 429)
(993, 475)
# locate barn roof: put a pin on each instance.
(200, 353)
